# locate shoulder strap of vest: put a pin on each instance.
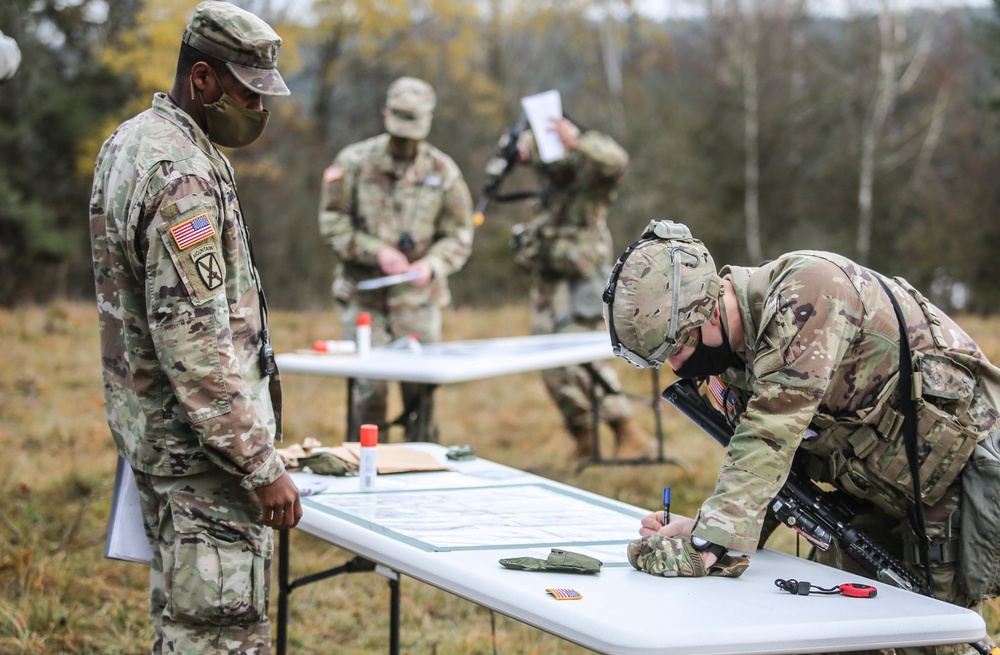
(909, 410)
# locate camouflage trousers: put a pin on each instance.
(893, 534)
(553, 310)
(369, 398)
(210, 573)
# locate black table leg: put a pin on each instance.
(283, 591)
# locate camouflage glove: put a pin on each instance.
(673, 557)
(558, 560)
(324, 463)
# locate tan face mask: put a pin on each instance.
(231, 125)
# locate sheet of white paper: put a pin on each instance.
(126, 535)
(540, 109)
(388, 280)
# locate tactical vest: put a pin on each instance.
(863, 452)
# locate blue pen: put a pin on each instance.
(666, 505)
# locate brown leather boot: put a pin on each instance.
(632, 441)
(584, 438)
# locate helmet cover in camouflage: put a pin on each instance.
(409, 108)
(247, 45)
(662, 287)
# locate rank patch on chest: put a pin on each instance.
(192, 231)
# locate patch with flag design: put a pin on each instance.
(565, 594)
(333, 173)
(192, 231)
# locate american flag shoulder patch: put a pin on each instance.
(565, 594)
(333, 173)
(192, 231)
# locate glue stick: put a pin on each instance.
(364, 334)
(367, 467)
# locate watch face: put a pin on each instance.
(699, 543)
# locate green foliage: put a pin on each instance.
(46, 111)
(679, 111)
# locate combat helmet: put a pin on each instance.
(664, 285)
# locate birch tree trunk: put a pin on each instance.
(751, 134)
(612, 57)
(890, 85)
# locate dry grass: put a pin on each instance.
(60, 596)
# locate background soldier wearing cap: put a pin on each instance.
(811, 341)
(395, 204)
(567, 249)
(192, 394)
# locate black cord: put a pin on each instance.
(853, 589)
(803, 588)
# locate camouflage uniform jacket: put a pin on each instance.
(575, 241)
(822, 341)
(179, 307)
(371, 200)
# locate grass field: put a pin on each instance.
(59, 596)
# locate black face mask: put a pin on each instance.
(707, 361)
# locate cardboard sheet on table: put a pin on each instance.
(392, 458)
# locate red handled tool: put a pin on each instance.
(853, 589)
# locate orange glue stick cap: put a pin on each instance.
(369, 435)
(364, 318)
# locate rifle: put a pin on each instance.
(498, 167)
(819, 516)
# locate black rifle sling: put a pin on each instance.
(514, 197)
(908, 408)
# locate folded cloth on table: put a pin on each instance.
(558, 560)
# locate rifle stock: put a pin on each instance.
(819, 516)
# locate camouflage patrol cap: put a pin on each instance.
(410, 106)
(247, 45)
(663, 285)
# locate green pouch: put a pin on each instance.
(558, 560)
(324, 463)
(979, 559)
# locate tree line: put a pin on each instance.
(762, 124)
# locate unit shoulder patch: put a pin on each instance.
(207, 266)
(193, 245)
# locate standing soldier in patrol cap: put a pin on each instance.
(567, 250)
(811, 341)
(191, 389)
(395, 204)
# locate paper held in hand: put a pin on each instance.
(126, 535)
(387, 280)
(540, 109)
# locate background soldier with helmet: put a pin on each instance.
(812, 342)
(567, 250)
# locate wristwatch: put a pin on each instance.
(704, 545)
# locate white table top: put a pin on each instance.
(458, 361)
(449, 529)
